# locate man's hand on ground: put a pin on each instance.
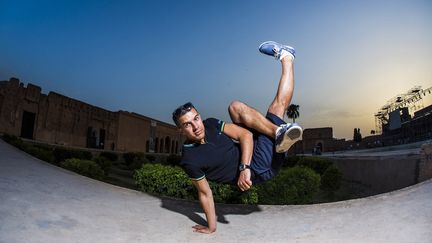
(203, 229)
(244, 181)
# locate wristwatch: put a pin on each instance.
(243, 167)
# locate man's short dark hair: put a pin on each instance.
(180, 111)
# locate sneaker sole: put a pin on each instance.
(291, 137)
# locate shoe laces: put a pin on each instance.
(276, 52)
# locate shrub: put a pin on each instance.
(318, 164)
(164, 180)
(225, 193)
(84, 167)
(104, 163)
(62, 154)
(40, 152)
(172, 181)
(13, 140)
(9, 138)
(109, 155)
(173, 160)
(331, 179)
(296, 185)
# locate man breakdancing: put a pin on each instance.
(209, 151)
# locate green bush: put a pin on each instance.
(164, 180)
(13, 140)
(84, 167)
(318, 164)
(104, 163)
(9, 138)
(173, 182)
(296, 185)
(225, 193)
(109, 155)
(62, 154)
(331, 179)
(40, 152)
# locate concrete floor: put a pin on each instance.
(43, 203)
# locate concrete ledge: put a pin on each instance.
(44, 203)
(425, 165)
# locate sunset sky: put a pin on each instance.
(149, 57)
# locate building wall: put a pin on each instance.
(62, 120)
(133, 132)
(17, 99)
(312, 137)
(380, 174)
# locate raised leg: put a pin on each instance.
(243, 114)
(285, 89)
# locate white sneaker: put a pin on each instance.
(286, 136)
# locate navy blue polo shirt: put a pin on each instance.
(217, 159)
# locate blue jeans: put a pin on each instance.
(266, 163)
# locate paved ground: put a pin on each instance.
(42, 203)
(397, 150)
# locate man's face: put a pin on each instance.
(192, 126)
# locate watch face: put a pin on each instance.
(243, 167)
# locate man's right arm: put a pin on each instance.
(205, 196)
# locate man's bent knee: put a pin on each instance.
(236, 107)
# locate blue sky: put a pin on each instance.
(150, 56)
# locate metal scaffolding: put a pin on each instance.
(411, 99)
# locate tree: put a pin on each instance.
(293, 112)
(357, 135)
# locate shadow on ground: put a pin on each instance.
(192, 209)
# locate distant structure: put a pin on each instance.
(397, 110)
(394, 123)
(57, 119)
(317, 141)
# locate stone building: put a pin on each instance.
(57, 119)
(320, 140)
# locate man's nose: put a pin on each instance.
(194, 126)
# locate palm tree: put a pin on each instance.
(293, 112)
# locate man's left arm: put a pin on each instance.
(244, 137)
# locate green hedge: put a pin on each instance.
(104, 163)
(331, 179)
(13, 140)
(164, 180)
(173, 182)
(318, 164)
(84, 167)
(296, 185)
(331, 176)
(40, 152)
(62, 154)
